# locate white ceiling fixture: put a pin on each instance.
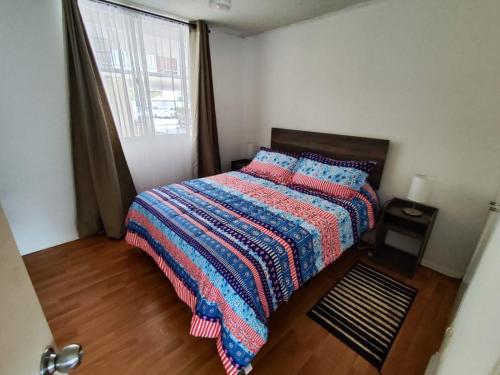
(224, 5)
(247, 17)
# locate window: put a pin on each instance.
(151, 61)
(143, 62)
(167, 64)
(121, 60)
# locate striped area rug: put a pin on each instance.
(365, 310)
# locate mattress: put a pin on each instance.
(235, 247)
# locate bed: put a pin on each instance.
(235, 246)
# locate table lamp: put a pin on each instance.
(420, 190)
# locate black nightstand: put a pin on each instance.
(238, 164)
(394, 219)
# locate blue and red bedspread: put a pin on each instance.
(235, 247)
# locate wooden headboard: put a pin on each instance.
(340, 147)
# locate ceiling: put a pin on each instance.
(248, 17)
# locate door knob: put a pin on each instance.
(68, 358)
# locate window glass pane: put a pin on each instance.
(151, 61)
(143, 62)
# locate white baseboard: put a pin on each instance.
(432, 366)
(443, 270)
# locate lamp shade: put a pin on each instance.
(420, 189)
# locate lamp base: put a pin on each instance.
(411, 211)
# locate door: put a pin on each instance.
(472, 343)
(24, 330)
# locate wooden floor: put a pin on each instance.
(111, 298)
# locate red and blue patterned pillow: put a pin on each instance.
(276, 166)
(333, 177)
(365, 165)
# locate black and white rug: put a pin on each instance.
(365, 310)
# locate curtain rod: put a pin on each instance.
(112, 3)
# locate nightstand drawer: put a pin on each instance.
(403, 226)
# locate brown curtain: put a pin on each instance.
(104, 187)
(207, 142)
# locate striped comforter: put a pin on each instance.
(236, 246)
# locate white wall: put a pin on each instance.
(423, 74)
(473, 343)
(36, 181)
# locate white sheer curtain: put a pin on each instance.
(144, 64)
